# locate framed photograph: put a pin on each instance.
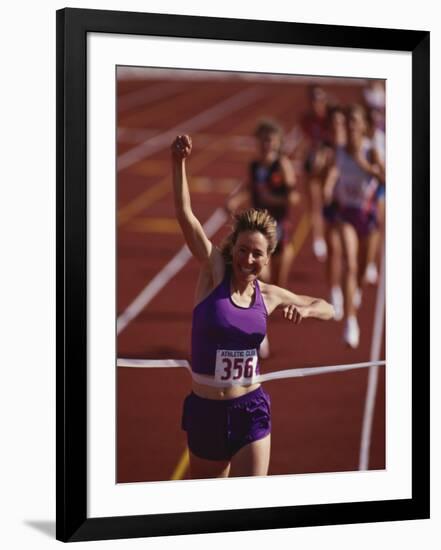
(307, 122)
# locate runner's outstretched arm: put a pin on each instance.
(296, 307)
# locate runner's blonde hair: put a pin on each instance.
(267, 126)
(250, 220)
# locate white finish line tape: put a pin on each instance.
(278, 375)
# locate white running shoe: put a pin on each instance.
(371, 274)
(351, 333)
(264, 350)
(320, 249)
(356, 300)
(336, 300)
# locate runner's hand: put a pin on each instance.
(181, 147)
(294, 313)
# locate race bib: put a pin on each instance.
(350, 193)
(236, 366)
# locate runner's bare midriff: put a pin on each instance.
(209, 392)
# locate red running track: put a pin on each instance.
(317, 420)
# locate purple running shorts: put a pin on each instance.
(363, 222)
(217, 429)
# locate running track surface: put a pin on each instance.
(316, 420)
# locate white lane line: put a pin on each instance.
(371, 392)
(213, 224)
(135, 135)
(209, 116)
(147, 95)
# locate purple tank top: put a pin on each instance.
(226, 337)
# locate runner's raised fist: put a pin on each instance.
(181, 147)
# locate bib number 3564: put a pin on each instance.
(236, 366)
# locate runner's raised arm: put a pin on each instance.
(198, 243)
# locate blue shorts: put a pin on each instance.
(217, 429)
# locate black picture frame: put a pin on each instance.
(73, 25)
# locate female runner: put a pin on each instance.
(352, 182)
(271, 186)
(227, 416)
(315, 130)
(326, 156)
